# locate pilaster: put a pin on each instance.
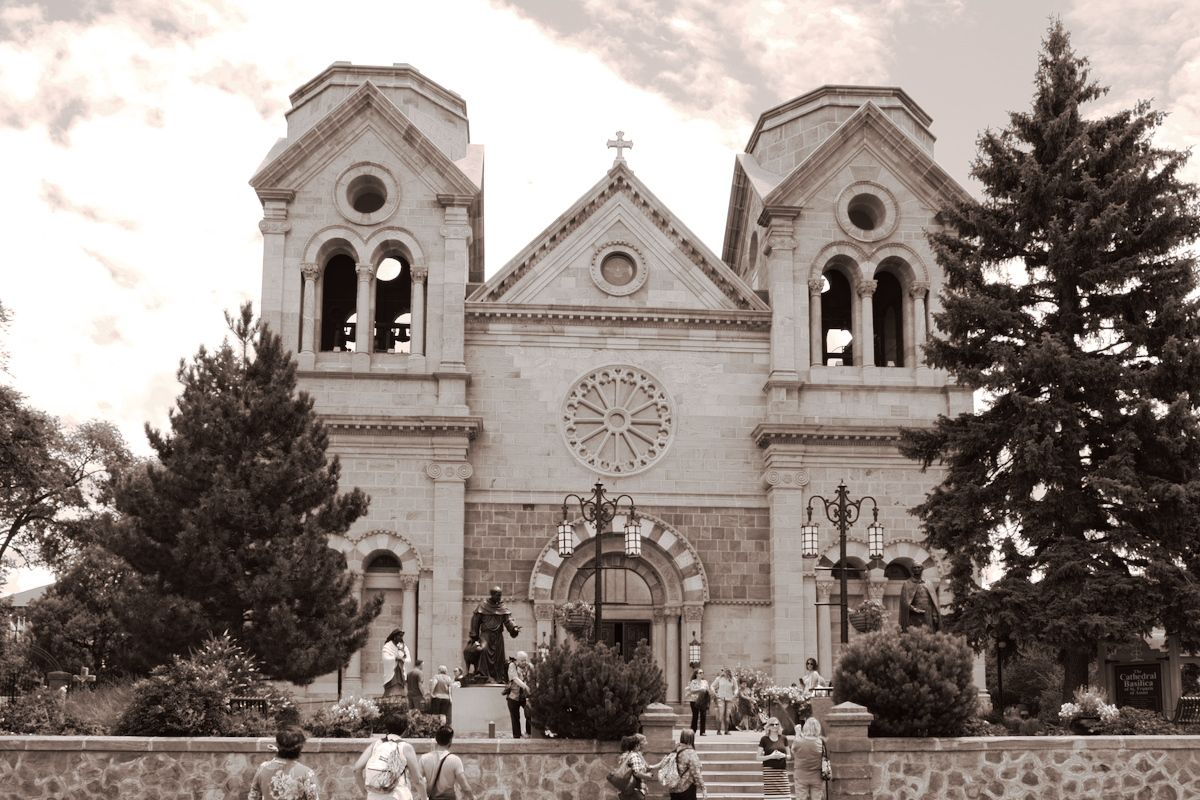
(456, 237)
(275, 227)
(449, 489)
(785, 481)
(780, 253)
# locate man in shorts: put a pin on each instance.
(443, 770)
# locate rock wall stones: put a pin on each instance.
(139, 768)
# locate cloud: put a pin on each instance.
(56, 198)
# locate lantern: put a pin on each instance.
(694, 652)
(808, 538)
(543, 649)
(875, 540)
(566, 538)
(633, 537)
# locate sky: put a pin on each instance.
(129, 132)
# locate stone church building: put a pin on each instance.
(720, 391)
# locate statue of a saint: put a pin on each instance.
(918, 607)
(488, 623)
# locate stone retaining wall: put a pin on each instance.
(146, 768)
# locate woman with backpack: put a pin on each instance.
(808, 753)
(773, 753)
(632, 765)
(388, 767)
(680, 773)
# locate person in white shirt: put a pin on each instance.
(395, 655)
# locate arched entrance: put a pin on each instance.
(659, 597)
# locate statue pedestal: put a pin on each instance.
(476, 706)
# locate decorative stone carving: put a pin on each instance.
(611, 280)
(456, 231)
(875, 590)
(783, 478)
(449, 472)
(274, 226)
(365, 271)
(543, 612)
(816, 285)
(617, 420)
(657, 614)
(409, 581)
(419, 274)
(671, 611)
(918, 290)
(310, 270)
(693, 613)
(824, 591)
(866, 287)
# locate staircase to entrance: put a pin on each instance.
(732, 770)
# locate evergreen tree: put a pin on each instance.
(229, 529)
(1070, 301)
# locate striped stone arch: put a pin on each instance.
(896, 547)
(358, 549)
(669, 563)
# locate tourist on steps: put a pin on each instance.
(691, 776)
(725, 690)
(697, 695)
(807, 750)
(631, 753)
(773, 753)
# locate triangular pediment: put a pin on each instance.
(868, 129)
(671, 268)
(365, 112)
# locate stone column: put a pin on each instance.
(658, 634)
(781, 247)
(408, 618)
(917, 292)
(866, 323)
(449, 490)
(417, 334)
(816, 342)
(849, 751)
(308, 318)
(362, 310)
(785, 501)
(824, 627)
(673, 670)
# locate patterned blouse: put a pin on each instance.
(690, 774)
(283, 779)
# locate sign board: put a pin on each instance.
(1138, 685)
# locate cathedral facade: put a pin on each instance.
(721, 393)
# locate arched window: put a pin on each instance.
(888, 321)
(382, 562)
(393, 305)
(898, 570)
(836, 320)
(621, 587)
(338, 298)
(855, 569)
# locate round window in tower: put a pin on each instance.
(867, 211)
(366, 194)
(618, 269)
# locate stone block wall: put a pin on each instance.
(140, 768)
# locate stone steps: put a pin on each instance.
(732, 770)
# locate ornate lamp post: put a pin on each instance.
(599, 510)
(843, 512)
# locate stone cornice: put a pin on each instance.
(775, 432)
(434, 426)
(650, 317)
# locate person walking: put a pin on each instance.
(389, 758)
(442, 770)
(807, 751)
(416, 690)
(441, 694)
(697, 694)
(725, 691)
(392, 660)
(518, 693)
(773, 753)
(747, 709)
(691, 776)
(284, 777)
(633, 757)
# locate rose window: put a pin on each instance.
(617, 420)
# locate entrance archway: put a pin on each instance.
(673, 577)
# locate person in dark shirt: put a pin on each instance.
(416, 691)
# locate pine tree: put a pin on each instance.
(1070, 301)
(230, 527)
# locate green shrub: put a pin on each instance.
(916, 683)
(43, 712)
(589, 691)
(1143, 722)
(102, 706)
(351, 717)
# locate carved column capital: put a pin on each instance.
(310, 270)
(657, 614)
(268, 225)
(365, 271)
(866, 287)
(875, 590)
(543, 611)
(693, 613)
(816, 285)
(786, 478)
(671, 611)
(419, 274)
(918, 290)
(456, 231)
(408, 582)
(824, 591)
(443, 471)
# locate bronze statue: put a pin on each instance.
(918, 607)
(488, 623)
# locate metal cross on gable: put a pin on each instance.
(621, 143)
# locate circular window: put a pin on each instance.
(366, 194)
(867, 211)
(617, 420)
(617, 268)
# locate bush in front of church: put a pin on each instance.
(589, 691)
(916, 683)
